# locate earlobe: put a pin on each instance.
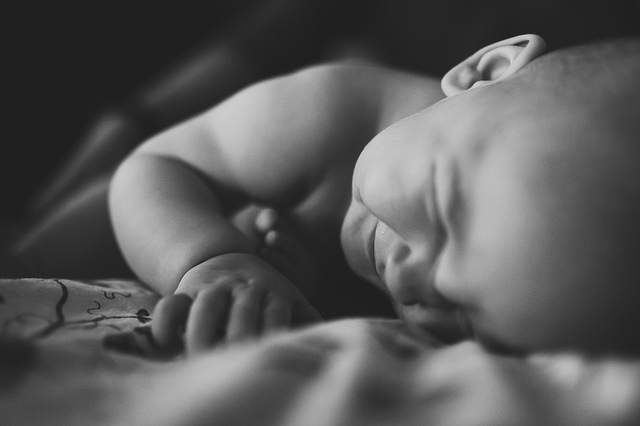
(493, 63)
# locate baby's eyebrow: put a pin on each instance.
(356, 192)
(356, 183)
(359, 187)
(447, 191)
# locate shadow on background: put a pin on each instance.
(64, 63)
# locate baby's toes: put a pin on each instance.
(266, 220)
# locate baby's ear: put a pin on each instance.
(493, 63)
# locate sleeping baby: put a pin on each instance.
(504, 212)
(499, 204)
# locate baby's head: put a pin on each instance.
(511, 209)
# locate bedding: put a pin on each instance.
(80, 353)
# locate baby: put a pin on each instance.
(498, 205)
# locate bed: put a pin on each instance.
(83, 355)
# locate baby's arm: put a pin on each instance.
(278, 144)
(170, 201)
(171, 228)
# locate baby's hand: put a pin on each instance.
(229, 298)
(276, 242)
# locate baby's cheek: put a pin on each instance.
(493, 292)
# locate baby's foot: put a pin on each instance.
(284, 251)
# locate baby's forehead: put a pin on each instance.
(524, 131)
(581, 160)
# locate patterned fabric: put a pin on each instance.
(80, 353)
(66, 346)
(44, 309)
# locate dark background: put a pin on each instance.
(65, 62)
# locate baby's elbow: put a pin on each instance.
(120, 189)
(129, 185)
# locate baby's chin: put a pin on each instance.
(504, 340)
(518, 343)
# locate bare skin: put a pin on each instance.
(516, 218)
(172, 199)
(505, 213)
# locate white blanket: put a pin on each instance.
(77, 353)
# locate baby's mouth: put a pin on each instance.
(445, 325)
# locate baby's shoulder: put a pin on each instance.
(371, 92)
(353, 94)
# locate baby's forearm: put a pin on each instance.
(167, 220)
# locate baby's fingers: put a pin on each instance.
(207, 319)
(276, 314)
(169, 317)
(304, 313)
(244, 317)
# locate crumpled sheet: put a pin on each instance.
(84, 356)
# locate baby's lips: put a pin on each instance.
(443, 324)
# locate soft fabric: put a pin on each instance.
(79, 353)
